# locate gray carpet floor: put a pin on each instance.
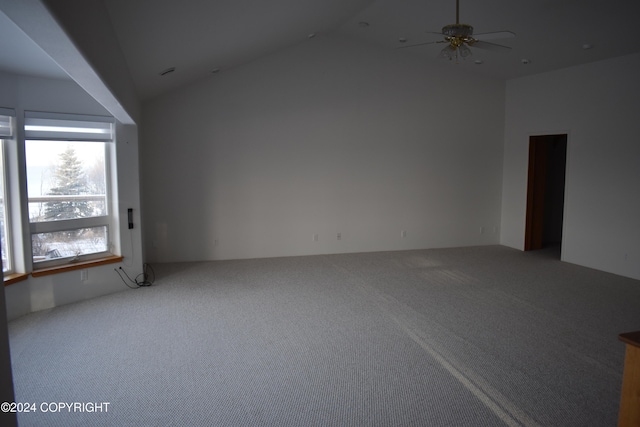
(482, 336)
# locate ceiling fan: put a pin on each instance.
(460, 36)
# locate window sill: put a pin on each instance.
(77, 266)
(10, 279)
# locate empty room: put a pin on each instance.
(319, 213)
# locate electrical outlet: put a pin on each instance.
(84, 275)
(481, 230)
(315, 237)
(403, 233)
(339, 236)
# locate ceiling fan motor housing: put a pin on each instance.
(457, 30)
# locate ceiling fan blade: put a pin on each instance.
(489, 46)
(494, 35)
(422, 44)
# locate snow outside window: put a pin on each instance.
(67, 163)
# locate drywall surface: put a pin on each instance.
(327, 137)
(40, 94)
(78, 36)
(597, 106)
(65, 96)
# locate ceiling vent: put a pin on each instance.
(167, 71)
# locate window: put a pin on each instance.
(67, 164)
(6, 133)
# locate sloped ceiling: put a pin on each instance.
(198, 36)
(550, 34)
(21, 55)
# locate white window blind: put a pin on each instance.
(67, 127)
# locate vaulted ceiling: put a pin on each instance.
(198, 36)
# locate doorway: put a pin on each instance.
(545, 191)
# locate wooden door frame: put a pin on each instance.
(535, 193)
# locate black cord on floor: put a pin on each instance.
(141, 280)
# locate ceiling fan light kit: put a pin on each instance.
(447, 53)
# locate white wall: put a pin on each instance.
(78, 36)
(328, 136)
(597, 105)
(28, 93)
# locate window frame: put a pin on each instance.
(6, 136)
(106, 220)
